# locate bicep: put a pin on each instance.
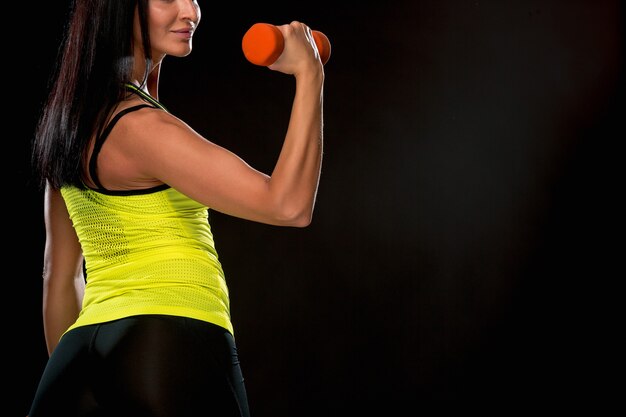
(208, 173)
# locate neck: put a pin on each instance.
(151, 86)
(135, 89)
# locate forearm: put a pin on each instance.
(63, 279)
(295, 178)
(61, 305)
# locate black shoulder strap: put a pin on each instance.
(136, 90)
(100, 141)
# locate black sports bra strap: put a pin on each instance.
(100, 141)
(146, 97)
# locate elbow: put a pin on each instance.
(302, 221)
(299, 217)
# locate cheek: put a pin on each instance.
(157, 31)
(160, 22)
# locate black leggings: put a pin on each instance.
(143, 366)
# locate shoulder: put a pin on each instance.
(150, 140)
(147, 117)
(146, 124)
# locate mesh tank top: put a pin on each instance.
(146, 252)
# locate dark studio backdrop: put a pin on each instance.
(460, 252)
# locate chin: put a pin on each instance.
(178, 49)
(178, 53)
(181, 52)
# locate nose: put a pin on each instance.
(190, 10)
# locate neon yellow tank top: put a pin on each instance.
(147, 253)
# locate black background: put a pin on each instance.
(465, 242)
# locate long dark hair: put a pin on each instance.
(95, 59)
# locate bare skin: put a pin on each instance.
(149, 147)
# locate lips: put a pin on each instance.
(184, 33)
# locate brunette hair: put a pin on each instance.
(95, 60)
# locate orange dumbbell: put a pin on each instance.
(263, 43)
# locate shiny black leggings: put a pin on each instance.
(143, 366)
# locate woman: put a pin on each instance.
(147, 330)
